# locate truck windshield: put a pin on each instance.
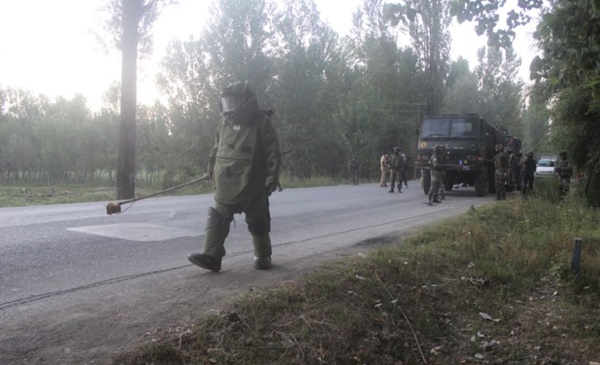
(449, 127)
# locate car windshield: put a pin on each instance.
(546, 163)
(449, 127)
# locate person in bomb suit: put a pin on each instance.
(244, 165)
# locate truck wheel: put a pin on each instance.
(480, 180)
(426, 180)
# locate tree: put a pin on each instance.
(499, 93)
(568, 39)
(427, 23)
(133, 20)
(462, 92)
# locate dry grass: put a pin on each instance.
(493, 286)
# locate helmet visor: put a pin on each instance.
(231, 103)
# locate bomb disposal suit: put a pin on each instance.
(244, 165)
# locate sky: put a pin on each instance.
(48, 47)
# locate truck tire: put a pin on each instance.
(426, 180)
(480, 182)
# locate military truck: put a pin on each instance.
(469, 142)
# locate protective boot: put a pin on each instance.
(262, 251)
(430, 198)
(503, 195)
(217, 229)
(205, 261)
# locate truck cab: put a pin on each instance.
(468, 141)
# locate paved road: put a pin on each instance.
(77, 285)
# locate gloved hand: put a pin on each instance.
(271, 185)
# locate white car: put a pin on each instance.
(545, 167)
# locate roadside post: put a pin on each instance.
(576, 260)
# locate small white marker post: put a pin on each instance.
(576, 260)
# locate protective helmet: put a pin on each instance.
(396, 149)
(499, 147)
(236, 96)
(438, 148)
(563, 154)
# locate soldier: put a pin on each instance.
(244, 165)
(512, 170)
(564, 170)
(501, 172)
(383, 166)
(527, 172)
(353, 167)
(437, 165)
(403, 169)
(519, 171)
(443, 157)
(394, 163)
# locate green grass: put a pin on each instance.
(423, 300)
(24, 195)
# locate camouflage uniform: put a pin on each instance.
(442, 191)
(403, 169)
(564, 170)
(437, 166)
(244, 164)
(501, 172)
(512, 169)
(394, 163)
(527, 172)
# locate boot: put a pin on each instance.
(217, 229)
(262, 263)
(205, 261)
(262, 251)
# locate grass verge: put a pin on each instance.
(493, 286)
(15, 196)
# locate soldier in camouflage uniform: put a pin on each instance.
(501, 172)
(443, 157)
(437, 166)
(394, 163)
(244, 165)
(564, 170)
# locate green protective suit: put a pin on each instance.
(244, 164)
(246, 159)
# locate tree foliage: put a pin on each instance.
(334, 96)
